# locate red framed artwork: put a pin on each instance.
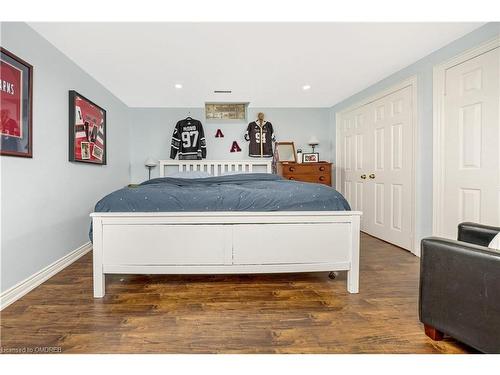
(16, 105)
(87, 130)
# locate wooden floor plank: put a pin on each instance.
(285, 313)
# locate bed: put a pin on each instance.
(242, 219)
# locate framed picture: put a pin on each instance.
(285, 151)
(226, 111)
(87, 130)
(16, 105)
(310, 157)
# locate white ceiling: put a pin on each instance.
(265, 64)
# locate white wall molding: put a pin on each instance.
(24, 287)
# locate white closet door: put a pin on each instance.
(355, 160)
(376, 165)
(471, 140)
(390, 184)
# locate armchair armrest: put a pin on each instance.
(460, 291)
(477, 234)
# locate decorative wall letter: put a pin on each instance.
(235, 147)
(219, 134)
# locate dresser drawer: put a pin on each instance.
(318, 178)
(306, 168)
(320, 173)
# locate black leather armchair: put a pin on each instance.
(460, 288)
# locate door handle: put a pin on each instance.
(363, 176)
(372, 176)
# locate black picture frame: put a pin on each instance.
(87, 125)
(18, 145)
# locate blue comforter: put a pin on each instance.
(240, 192)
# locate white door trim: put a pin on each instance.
(438, 86)
(412, 82)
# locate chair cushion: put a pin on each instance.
(495, 243)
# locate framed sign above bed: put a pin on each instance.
(16, 105)
(87, 130)
(226, 111)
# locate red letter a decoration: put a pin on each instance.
(235, 147)
(219, 134)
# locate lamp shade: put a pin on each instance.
(150, 162)
(313, 141)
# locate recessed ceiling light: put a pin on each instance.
(178, 86)
(306, 87)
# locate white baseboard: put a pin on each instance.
(11, 295)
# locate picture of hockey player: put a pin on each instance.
(8, 128)
(85, 150)
(8, 125)
(93, 133)
(97, 152)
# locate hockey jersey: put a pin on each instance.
(188, 140)
(261, 139)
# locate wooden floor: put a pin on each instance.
(294, 313)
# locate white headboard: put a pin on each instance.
(216, 167)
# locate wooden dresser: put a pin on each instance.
(307, 172)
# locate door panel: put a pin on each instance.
(359, 152)
(379, 148)
(396, 209)
(397, 146)
(379, 203)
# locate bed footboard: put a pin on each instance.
(224, 243)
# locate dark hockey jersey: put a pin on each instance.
(188, 140)
(261, 139)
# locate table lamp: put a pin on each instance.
(313, 142)
(150, 164)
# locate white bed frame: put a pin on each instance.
(215, 167)
(224, 242)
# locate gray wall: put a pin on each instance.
(423, 69)
(46, 200)
(151, 133)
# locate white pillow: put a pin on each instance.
(495, 243)
(190, 174)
